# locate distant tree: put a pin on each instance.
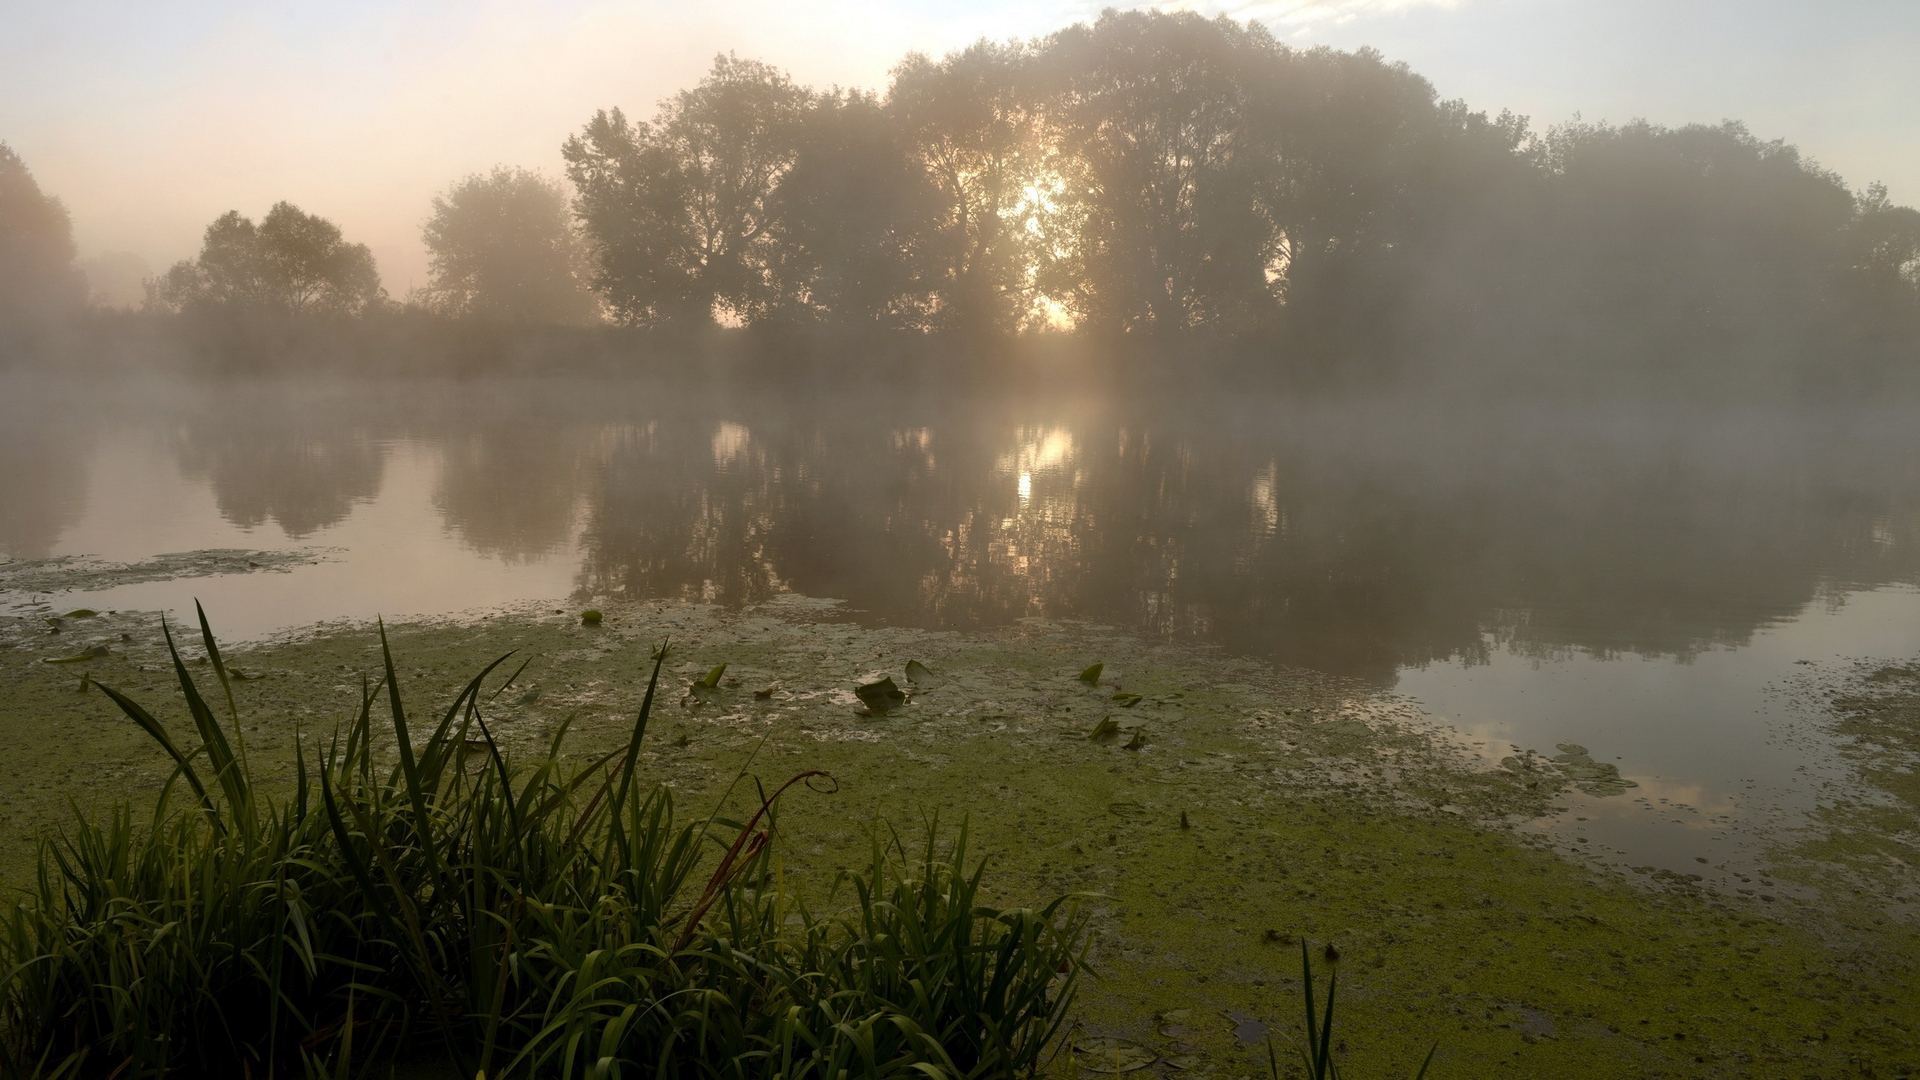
(677, 211)
(1883, 248)
(857, 236)
(1675, 239)
(974, 121)
(292, 262)
(38, 282)
(503, 246)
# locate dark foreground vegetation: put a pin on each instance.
(1194, 184)
(436, 905)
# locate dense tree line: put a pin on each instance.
(1152, 174)
(1145, 176)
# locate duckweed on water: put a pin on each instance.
(1310, 807)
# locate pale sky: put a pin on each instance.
(151, 119)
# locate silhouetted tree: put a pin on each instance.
(974, 121)
(857, 238)
(502, 246)
(678, 210)
(1162, 230)
(38, 283)
(292, 263)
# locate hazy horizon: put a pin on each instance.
(362, 114)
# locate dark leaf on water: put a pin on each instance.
(1125, 700)
(711, 679)
(922, 676)
(880, 695)
(1091, 676)
(1107, 730)
(82, 657)
(1139, 740)
(1110, 1055)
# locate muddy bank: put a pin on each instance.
(1212, 811)
(27, 584)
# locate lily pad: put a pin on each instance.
(1139, 740)
(880, 695)
(1125, 700)
(80, 657)
(1107, 730)
(922, 676)
(81, 613)
(590, 617)
(1105, 1054)
(1091, 676)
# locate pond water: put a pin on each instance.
(1640, 582)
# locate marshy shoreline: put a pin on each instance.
(1212, 812)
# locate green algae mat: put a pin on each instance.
(1211, 814)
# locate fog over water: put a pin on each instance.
(1637, 584)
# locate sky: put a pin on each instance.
(149, 120)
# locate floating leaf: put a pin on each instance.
(763, 693)
(922, 676)
(590, 617)
(711, 679)
(81, 613)
(1139, 740)
(1106, 1054)
(880, 695)
(1107, 730)
(1125, 700)
(1091, 676)
(81, 657)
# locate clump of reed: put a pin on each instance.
(433, 900)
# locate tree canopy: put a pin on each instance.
(1156, 173)
(39, 284)
(292, 262)
(503, 246)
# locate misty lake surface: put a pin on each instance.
(1647, 583)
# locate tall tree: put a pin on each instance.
(291, 262)
(974, 121)
(38, 282)
(503, 246)
(1162, 231)
(857, 238)
(678, 210)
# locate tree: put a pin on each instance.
(1162, 231)
(292, 262)
(857, 237)
(39, 285)
(974, 122)
(678, 211)
(503, 246)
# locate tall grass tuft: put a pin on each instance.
(419, 895)
(1317, 1055)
